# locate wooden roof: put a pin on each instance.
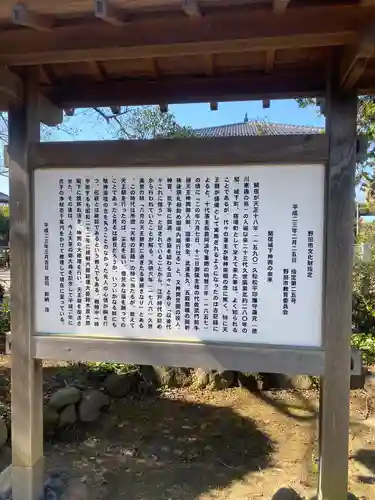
(100, 52)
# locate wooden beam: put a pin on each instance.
(191, 8)
(69, 111)
(335, 384)
(354, 60)
(109, 13)
(233, 31)
(24, 17)
(280, 6)
(269, 60)
(97, 71)
(214, 106)
(188, 90)
(49, 114)
(115, 110)
(266, 103)
(209, 64)
(299, 149)
(27, 374)
(10, 84)
(163, 108)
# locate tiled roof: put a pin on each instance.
(255, 128)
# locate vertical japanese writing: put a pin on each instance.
(169, 252)
(46, 268)
(245, 255)
(141, 301)
(270, 257)
(96, 254)
(255, 258)
(293, 286)
(225, 288)
(115, 283)
(70, 253)
(206, 262)
(123, 255)
(132, 260)
(216, 255)
(294, 233)
(105, 252)
(151, 252)
(79, 250)
(159, 294)
(285, 292)
(178, 253)
(310, 254)
(62, 249)
(235, 253)
(88, 233)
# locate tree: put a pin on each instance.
(365, 174)
(146, 122)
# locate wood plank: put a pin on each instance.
(107, 12)
(214, 106)
(163, 108)
(234, 31)
(189, 151)
(27, 375)
(334, 432)
(10, 84)
(49, 114)
(25, 17)
(354, 60)
(266, 103)
(191, 8)
(289, 360)
(280, 6)
(270, 61)
(189, 89)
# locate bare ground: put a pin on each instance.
(201, 445)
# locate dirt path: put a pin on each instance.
(184, 445)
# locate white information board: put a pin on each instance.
(193, 254)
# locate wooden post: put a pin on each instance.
(335, 394)
(27, 377)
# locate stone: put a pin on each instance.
(68, 416)
(76, 490)
(280, 381)
(64, 397)
(91, 403)
(120, 385)
(222, 380)
(247, 381)
(50, 417)
(286, 494)
(166, 376)
(201, 378)
(3, 432)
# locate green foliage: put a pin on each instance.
(106, 367)
(366, 343)
(4, 219)
(4, 316)
(147, 122)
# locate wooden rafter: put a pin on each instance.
(24, 17)
(214, 106)
(354, 60)
(163, 108)
(235, 31)
(191, 8)
(12, 88)
(190, 89)
(280, 6)
(269, 60)
(116, 110)
(209, 64)
(107, 12)
(97, 71)
(69, 111)
(266, 103)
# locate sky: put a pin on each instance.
(200, 115)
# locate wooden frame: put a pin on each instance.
(27, 377)
(337, 150)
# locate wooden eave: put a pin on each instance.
(125, 52)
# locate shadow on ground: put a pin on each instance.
(155, 447)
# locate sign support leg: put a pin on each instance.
(27, 377)
(335, 393)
